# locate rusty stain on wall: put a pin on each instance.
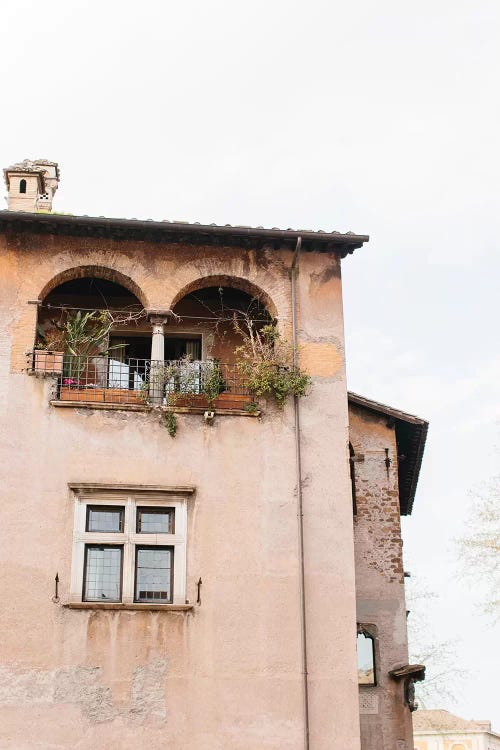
(320, 359)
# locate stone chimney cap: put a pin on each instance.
(35, 167)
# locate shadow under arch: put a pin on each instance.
(98, 272)
(232, 282)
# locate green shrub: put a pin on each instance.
(265, 361)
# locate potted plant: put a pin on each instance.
(213, 384)
(49, 352)
(85, 337)
(181, 382)
(84, 334)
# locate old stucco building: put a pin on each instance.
(440, 730)
(238, 585)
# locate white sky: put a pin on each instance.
(375, 116)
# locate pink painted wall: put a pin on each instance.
(226, 674)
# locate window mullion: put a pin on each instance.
(180, 555)
(128, 572)
(129, 552)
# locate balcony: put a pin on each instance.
(179, 384)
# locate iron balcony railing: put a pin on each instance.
(179, 383)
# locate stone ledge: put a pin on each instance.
(146, 408)
(218, 412)
(118, 606)
(100, 405)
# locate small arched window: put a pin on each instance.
(22, 186)
(366, 657)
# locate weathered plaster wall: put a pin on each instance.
(385, 720)
(228, 674)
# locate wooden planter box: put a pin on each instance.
(231, 401)
(223, 401)
(48, 362)
(100, 395)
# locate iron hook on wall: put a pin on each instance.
(55, 598)
(388, 461)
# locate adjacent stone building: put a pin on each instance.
(184, 563)
(441, 730)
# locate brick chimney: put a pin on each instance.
(31, 185)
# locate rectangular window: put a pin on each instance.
(103, 574)
(129, 546)
(366, 657)
(155, 520)
(105, 519)
(153, 574)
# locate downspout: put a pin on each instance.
(298, 467)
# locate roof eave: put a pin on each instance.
(342, 244)
(419, 429)
(385, 409)
(417, 467)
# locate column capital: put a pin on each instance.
(159, 317)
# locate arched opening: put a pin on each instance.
(235, 283)
(97, 273)
(208, 325)
(94, 333)
(211, 322)
(22, 186)
(89, 298)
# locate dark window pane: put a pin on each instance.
(176, 348)
(103, 567)
(153, 579)
(100, 518)
(366, 660)
(155, 520)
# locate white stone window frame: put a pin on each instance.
(130, 498)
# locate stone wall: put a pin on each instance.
(385, 720)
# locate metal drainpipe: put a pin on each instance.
(300, 514)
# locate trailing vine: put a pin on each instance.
(170, 422)
(265, 360)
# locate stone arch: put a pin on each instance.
(98, 272)
(233, 282)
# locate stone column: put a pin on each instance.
(158, 338)
(158, 322)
